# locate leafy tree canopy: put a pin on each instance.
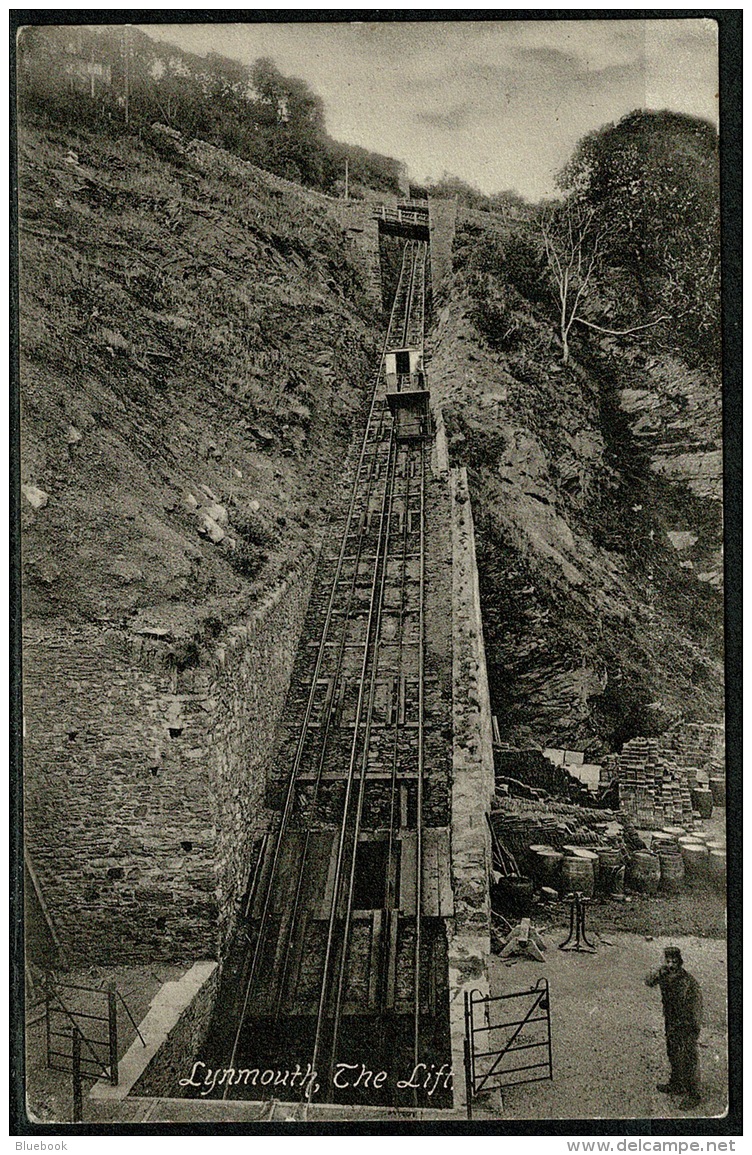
(108, 75)
(651, 182)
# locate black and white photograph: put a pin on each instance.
(373, 508)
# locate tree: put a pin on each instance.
(275, 121)
(652, 180)
(574, 240)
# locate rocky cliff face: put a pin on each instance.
(596, 492)
(194, 347)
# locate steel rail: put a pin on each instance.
(330, 709)
(362, 780)
(413, 259)
(260, 938)
(410, 290)
(344, 955)
(309, 709)
(400, 652)
(403, 300)
(413, 322)
(348, 789)
(350, 774)
(336, 682)
(391, 896)
(419, 805)
(421, 720)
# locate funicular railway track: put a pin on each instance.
(345, 960)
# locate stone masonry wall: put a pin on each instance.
(362, 231)
(117, 811)
(473, 785)
(253, 673)
(443, 217)
(473, 780)
(143, 782)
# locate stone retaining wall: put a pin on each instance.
(473, 781)
(473, 773)
(144, 782)
(357, 221)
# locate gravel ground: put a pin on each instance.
(700, 913)
(607, 1030)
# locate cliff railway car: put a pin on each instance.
(406, 394)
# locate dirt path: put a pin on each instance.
(607, 1027)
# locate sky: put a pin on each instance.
(500, 104)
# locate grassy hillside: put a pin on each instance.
(195, 346)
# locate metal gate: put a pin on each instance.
(492, 1061)
(95, 1035)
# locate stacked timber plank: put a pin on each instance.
(697, 744)
(653, 790)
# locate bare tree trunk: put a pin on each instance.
(564, 325)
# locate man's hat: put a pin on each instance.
(673, 952)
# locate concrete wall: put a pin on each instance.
(143, 783)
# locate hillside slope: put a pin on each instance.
(595, 489)
(195, 347)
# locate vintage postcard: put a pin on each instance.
(370, 494)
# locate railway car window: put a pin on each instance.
(369, 892)
(403, 362)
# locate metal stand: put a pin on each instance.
(577, 932)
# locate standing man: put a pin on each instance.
(682, 1012)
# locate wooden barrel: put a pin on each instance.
(695, 858)
(672, 872)
(610, 871)
(547, 866)
(690, 840)
(702, 800)
(513, 895)
(645, 871)
(611, 879)
(717, 867)
(588, 855)
(661, 842)
(718, 790)
(609, 861)
(716, 844)
(674, 831)
(577, 874)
